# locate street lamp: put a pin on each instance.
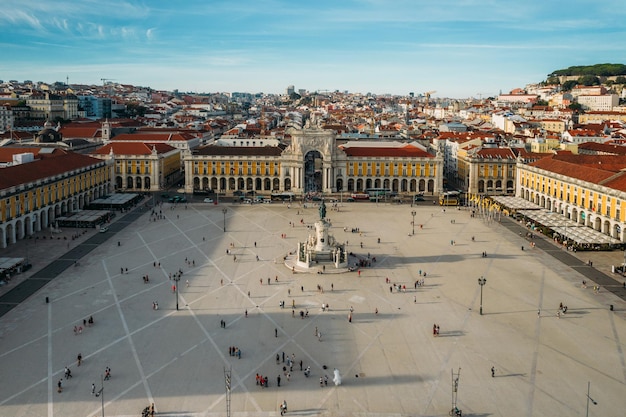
(481, 281)
(224, 210)
(413, 213)
(176, 279)
(589, 398)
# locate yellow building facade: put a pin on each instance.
(34, 194)
(593, 198)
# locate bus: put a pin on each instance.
(286, 196)
(378, 192)
(450, 198)
(360, 196)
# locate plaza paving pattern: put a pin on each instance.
(390, 362)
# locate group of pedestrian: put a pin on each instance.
(234, 351)
(262, 381)
(78, 329)
(435, 330)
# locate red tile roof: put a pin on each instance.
(570, 165)
(154, 137)
(240, 150)
(91, 131)
(407, 151)
(133, 148)
(603, 147)
(495, 153)
(47, 167)
(6, 153)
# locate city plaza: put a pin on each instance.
(389, 360)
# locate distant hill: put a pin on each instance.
(601, 70)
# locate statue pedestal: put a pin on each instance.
(321, 248)
(321, 236)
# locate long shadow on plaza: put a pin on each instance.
(399, 262)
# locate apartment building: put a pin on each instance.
(315, 162)
(588, 189)
(37, 191)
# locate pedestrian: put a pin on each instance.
(325, 380)
(493, 371)
(187, 283)
(539, 313)
(275, 332)
(60, 386)
(278, 380)
(79, 359)
(277, 358)
(321, 382)
(246, 312)
(300, 364)
(93, 389)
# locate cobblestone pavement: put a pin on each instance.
(390, 362)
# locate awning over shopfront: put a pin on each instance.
(569, 229)
(515, 203)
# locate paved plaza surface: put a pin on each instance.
(389, 360)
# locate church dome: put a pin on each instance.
(48, 134)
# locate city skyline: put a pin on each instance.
(457, 48)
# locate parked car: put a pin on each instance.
(104, 229)
(208, 200)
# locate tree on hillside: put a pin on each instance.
(589, 80)
(134, 109)
(568, 85)
(604, 70)
(575, 106)
(620, 80)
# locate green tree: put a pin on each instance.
(620, 80)
(541, 103)
(553, 81)
(134, 109)
(575, 106)
(589, 80)
(568, 85)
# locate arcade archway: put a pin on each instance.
(313, 172)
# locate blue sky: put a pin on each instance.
(460, 48)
